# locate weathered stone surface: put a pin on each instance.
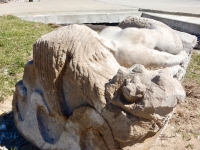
(76, 94)
(145, 94)
(178, 40)
(153, 45)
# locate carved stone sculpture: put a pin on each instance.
(82, 90)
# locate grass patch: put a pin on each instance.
(193, 70)
(16, 40)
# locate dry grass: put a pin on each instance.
(16, 40)
(193, 71)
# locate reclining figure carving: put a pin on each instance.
(77, 94)
(155, 46)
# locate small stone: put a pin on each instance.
(3, 127)
(1, 112)
(3, 148)
(198, 137)
(5, 71)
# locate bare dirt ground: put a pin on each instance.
(183, 130)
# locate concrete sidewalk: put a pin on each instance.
(181, 23)
(51, 6)
(181, 6)
(68, 11)
(46, 6)
(108, 11)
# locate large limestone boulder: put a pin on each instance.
(81, 92)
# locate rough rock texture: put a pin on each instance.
(75, 95)
(177, 39)
(153, 44)
(174, 41)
